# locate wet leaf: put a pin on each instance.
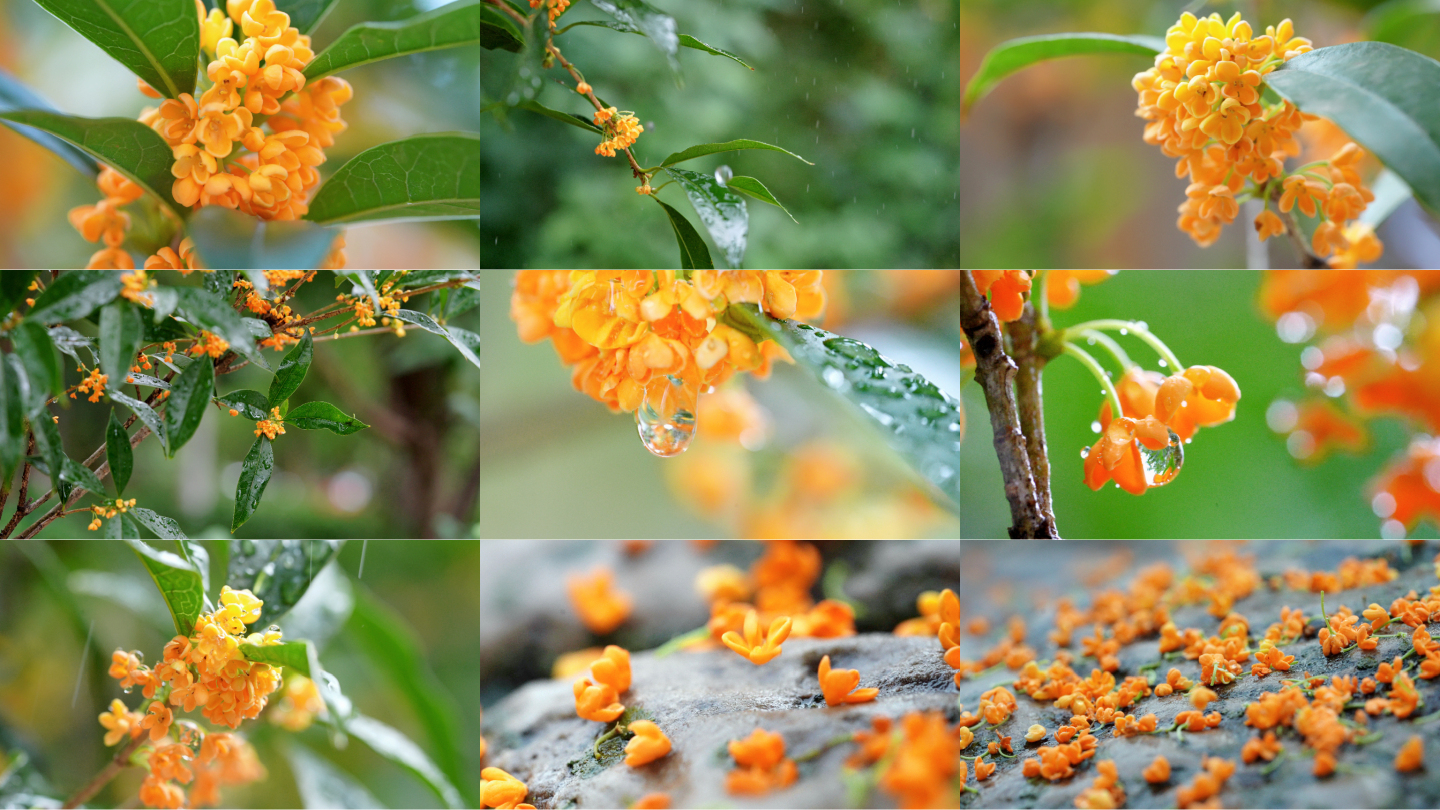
(917, 419)
(293, 654)
(232, 239)
(305, 15)
(655, 24)
(178, 579)
(14, 288)
(498, 31)
(68, 341)
(75, 294)
(322, 784)
(570, 118)
(14, 95)
(128, 146)
(467, 343)
(158, 40)
(701, 150)
(449, 26)
(81, 476)
(120, 334)
(42, 362)
(167, 529)
(685, 39)
(693, 253)
(189, 399)
(292, 372)
(146, 380)
(396, 747)
(1379, 94)
(119, 452)
(278, 572)
(435, 176)
(1012, 55)
(757, 189)
(215, 315)
(254, 475)
(142, 410)
(251, 404)
(22, 785)
(323, 415)
(12, 417)
(52, 450)
(722, 212)
(123, 527)
(31, 398)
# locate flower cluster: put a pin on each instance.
(93, 384)
(135, 286)
(209, 344)
(599, 699)
(105, 512)
(763, 766)
(299, 706)
(275, 424)
(1202, 99)
(554, 8)
(105, 220)
(621, 130)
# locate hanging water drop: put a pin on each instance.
(723, 175)
(1161, 466)
(1095, 427)
(1124, 331)
(666, 416)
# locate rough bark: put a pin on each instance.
(1029, 398)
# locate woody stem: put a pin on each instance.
(1099, 374)
(1024, 335)
(110, 771)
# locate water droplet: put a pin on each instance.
(666, 416)
(1163, 364)
(807, 188)
(883, 418)
(127, 690)
(912, 132)
(1124, 331)
(835, 378)
(1095, 427)
(723, 175)
(1161, 466)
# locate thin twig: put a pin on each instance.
(20, 510)
(994, 370)
(110, 771)
(1028, 393)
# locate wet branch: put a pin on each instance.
(1028, 392)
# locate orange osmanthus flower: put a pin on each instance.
(763, 764)
(1062, 289)
(652, 801)
(1200, 396)
(1007, 289)
(597, 702)
(754, 647)
(648, 744)
(1411, 756)
(1117, 454)
(501, 790)
(120, 722)
(613, 668)
(839, 685)
(601, 609)
(926, 760)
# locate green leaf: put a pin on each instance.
(32, 398)
(158, 40)
(685, 39)
(693, 253)
(701, 150)
(655, 24)
(189, 398)
(120, 334)
(318, 415)
(1015, 54)
(322, 784)
(15, 95)
(570, 118)
(81, 476)
(461, 301)
(1390, 193)
(12, 417)
(166, 529)
(75, 294)
(467, 343)
(435, 176)
(293, 654)
(278, 572)
(918, 420)
(691, 42)
(128, 146)
(214, 314)
(42, 361)
(396, 747)
(1380, 95)
(757, 189)
(221, 283)
(67, 340)
(446, 27)
(178, 579)
(291, 372)
(142, 410)
(254, 475)
(305, 15)
(119, 453)
(52, 450)
(498, 31)
(250, 403)
(722, 212)
(123, 527)
(394, 649)
(226, 238)
(146, 380)
(14, 288)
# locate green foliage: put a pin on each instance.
(15, 95)
(685, 39)
(78, 474)
(12, 417)
(120, 334)
(158, 40)
(757, 189)
(52, 450)
(143, 411)
(498, 31)
(721, 211)
(701, 150)
(1009, 57)
(42, 362)
(917, 419)
(250, 403)
(254, 475)
(118, 452)
(655, 24)
(164, 528)
(569, 118)
(278, 572)
(292, 371)
(217, 316)
(446, 27)
(75, 295)
(324, 416)
(128, 146)
(306, 15)
(293, 654)
(434, 176)
(189, 399)
(1413, 24)
(226, 238)
(693, 253)
(466, 342)
(23, 786)
(1380, 94)
(178, 579)
(121, 527)
(396, 747)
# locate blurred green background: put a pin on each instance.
(557, 464)
(1238, 479)
(866, 90)
(433, 588)
(412, 473)
(1053, 167)
(397, 98)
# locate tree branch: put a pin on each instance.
(1028, 392)
(110, 771)
(994, 370)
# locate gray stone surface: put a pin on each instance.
(703, 700)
